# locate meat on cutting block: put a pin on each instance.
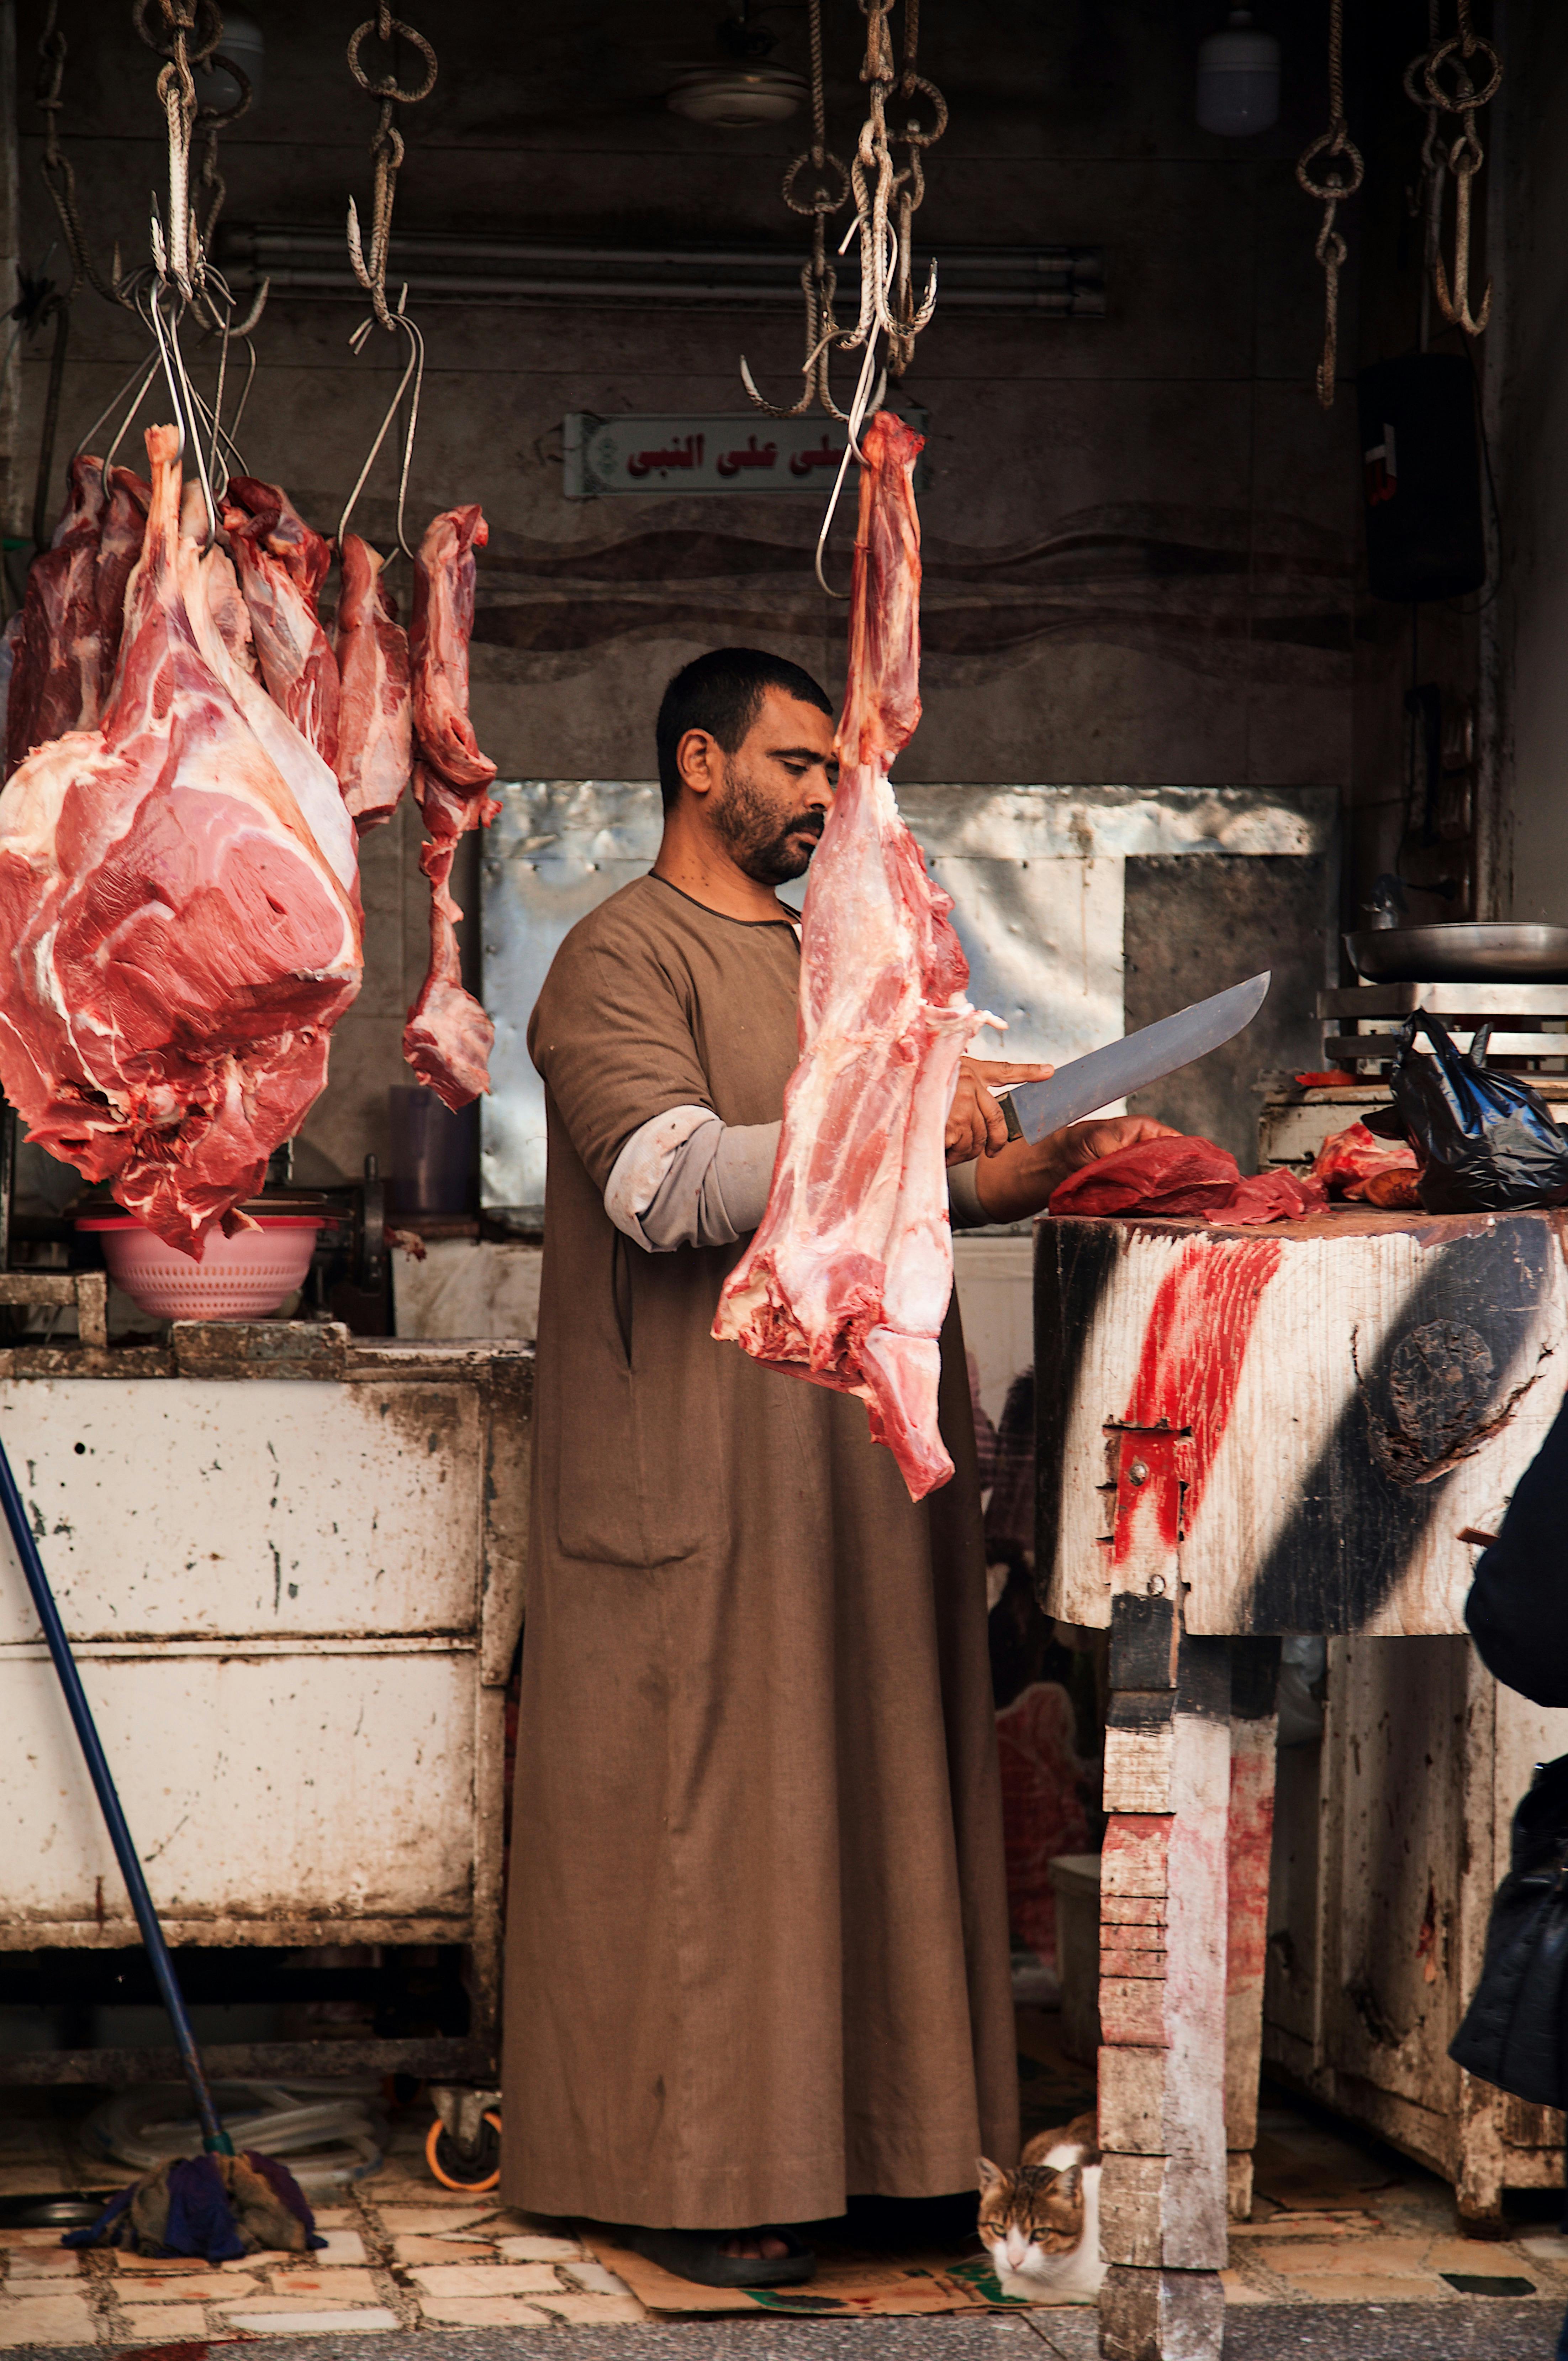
(55, 669)
(179, 911)
(442, 629)
(1174, 1178)
(847, 1280)
(447, 1037)
(1353, 1158)
(375, 723)
(283, 565)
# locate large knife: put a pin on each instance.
(1033, 1109)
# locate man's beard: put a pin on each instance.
(757, 840)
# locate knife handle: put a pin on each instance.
(1010, 1116)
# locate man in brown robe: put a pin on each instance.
(757, 1951)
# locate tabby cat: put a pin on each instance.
(1041, 2224)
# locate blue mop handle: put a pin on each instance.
(214, 2140)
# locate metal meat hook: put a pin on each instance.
(415, 369)
(851, 450)
(180, 395)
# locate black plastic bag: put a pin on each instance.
(1515, 2027)
(1486, 1140)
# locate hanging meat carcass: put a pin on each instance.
(178, 909)
(443, 627)
(283, 565)
(449, 1037)
(847, 1277)
(66, 640)
(55, 666)
(375, 720)
(119, 546)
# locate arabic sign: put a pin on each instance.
(749, 454)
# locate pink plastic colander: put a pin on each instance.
(240, 1278)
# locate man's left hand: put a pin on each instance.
(1020, 1181)
(1085, 1143)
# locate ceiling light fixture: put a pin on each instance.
(1238, 79)
(736, 95)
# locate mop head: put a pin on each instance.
(219, 2207)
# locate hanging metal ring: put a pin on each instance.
(1332, 143)
(821, 203)
(1444, 51)
(199, 45)
(387, 86)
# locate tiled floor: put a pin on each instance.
(401, 2253)
(1338, 2222)
(406, 2258)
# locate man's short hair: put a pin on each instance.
(722, 693)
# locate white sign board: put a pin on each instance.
(749, 454)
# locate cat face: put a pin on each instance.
(1028, 2215)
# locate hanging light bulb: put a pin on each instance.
(1238, 79)
(242, 40)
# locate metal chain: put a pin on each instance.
(183, 42)
(60, 176)
(385, 149)
(819, 280)
(1330, 191)
(1425, 200)
(188, 35)
(1465, 159)
(888, 303)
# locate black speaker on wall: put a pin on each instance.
(1421, 472)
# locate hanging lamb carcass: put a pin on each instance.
(180, 921)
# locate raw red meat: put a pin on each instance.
(447, 1037)
(54, 674)
(179, 911)
(283, 565)
(1277, 1196)
(1347, 1162)
(1164, 1176)
(119, 546)
(374, 724)
(438, 641)
(1395, 1189)
(1172, 1179)
(847, 1280)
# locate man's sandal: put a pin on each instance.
(699, 2256)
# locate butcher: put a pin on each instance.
(757, 1949)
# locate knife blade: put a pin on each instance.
(1074, 1091)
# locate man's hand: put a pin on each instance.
(1085, 1143)
(976, 1125)
(1019, 1182)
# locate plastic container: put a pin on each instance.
(434, 1154)
(241, 1278)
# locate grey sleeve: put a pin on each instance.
(964, 1197)
(716, 1187)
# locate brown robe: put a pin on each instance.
(757, 1954)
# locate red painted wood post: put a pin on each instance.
(1162, 1990)
(1255, 1680)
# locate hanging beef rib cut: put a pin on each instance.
(179, 910)
(448, 1035)
(375, 719)
(847, 1277)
